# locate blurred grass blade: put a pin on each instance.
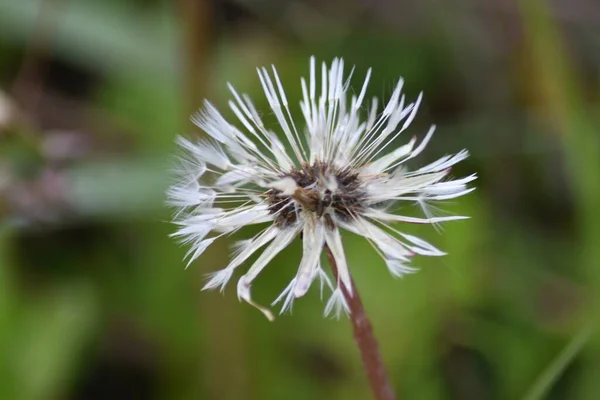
(52, 334)
(553, 372)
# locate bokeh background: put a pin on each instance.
(94, 299)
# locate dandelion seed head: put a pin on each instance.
(343, 172)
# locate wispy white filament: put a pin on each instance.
(246, 175)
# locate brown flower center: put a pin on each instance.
(313, 194)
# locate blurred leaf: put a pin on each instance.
(105, 36)
(50, 337)
(130, 187)
(562, 102)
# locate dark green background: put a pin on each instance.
(94, 299)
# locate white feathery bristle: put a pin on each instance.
(337, 304)
(339, 167)
(287, 186)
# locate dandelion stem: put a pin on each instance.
(363, 336)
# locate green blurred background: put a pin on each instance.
(94, 299)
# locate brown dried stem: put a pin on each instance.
(367, 344)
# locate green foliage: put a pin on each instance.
(509, 313)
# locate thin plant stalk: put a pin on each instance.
(366, 342)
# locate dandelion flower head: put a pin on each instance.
(336, 170)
